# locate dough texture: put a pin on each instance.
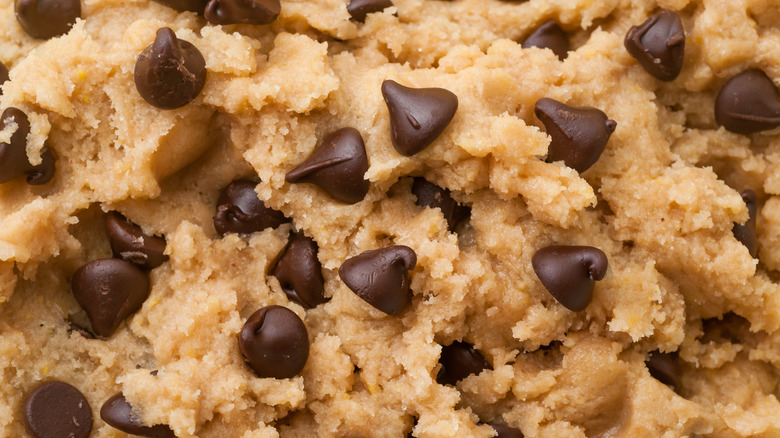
(661, 202)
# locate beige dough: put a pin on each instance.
(660, 202)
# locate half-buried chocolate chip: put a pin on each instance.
(171, 72)
(658, 45)
(185, 5)
(458, 361)
(746, 233)
(748, 103)
(130, 243)
(56, 409)
(275, 342)
(579, 134)
(109, 290)
(359, 9)
(239, 210)
(13, 155)
(381, 277)
(242, 11)
(300, 273)
(417, 115)
(663, 367)
(433, 196)
(118, 413)
(44, 172)
(549, 36)
(336, 166)
(45, 19)
(570, 272)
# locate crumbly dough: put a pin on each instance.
(660, 202)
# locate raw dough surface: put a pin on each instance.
(660, 202)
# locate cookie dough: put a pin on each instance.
(571, 239)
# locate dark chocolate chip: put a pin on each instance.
(109, 290)
(746, 233)
(171, 72)
(337, 166)
(275, 342)
(45, 19)
(56, 409)
(118, 413)
(239, 210)
(505, 431)
(458, 361)
(748, 103)
(3, 76)
(663, 367)
(579, 134)
(549, 36)
(44, 172)
(417, 115)
(242, 11)
(381, 277)
(300, 273)
(658, 45)
(433, 196)
(73, 327)
(569, 273)
(129, 242)
(185, 5)
(359, 9)
(13, 155)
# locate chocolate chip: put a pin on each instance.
(45, 19)
(417, 115)
(3, 76)
(118, 413)
(663, 367)
(569, 273)
(242, 11)
(185, 5)
(433, 196)
(381, 277)
(56, 409)
(13, 155)
(748, 103)
(239, 210)
(44, 172)
(275, 342)
(109, 290)
(171, 72)
(458, 361)
(658, 45)
(746, 233)
(549, 36)
(359, 9)
(503, 431)
(129, 242)
(579, 134)
(300, 273)
(337, 166)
